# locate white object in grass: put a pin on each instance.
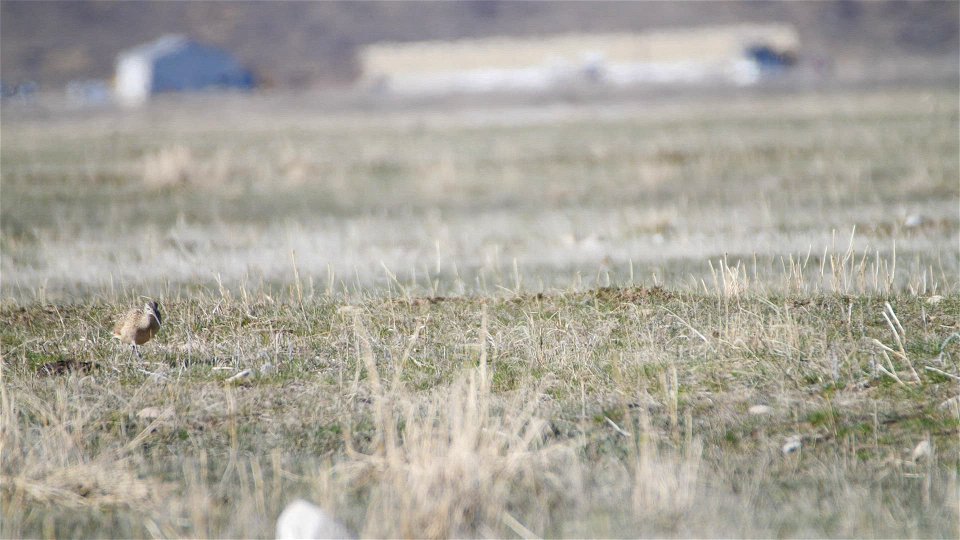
(241, 377)
(301, 519)
(915, 220)
(760, 409)
(150, 413)
(922, 451)
(792, 445)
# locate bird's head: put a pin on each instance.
(154, 309)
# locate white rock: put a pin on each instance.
(792, 445)
(268, 369)
(760, 409)
(923, 450)
(914, 220)
(934, 300)
(241, 377)
(149, 413)
(301, 519)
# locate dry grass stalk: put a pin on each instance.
(458, 459)
(456, 463)
(58, 471)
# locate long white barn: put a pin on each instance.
(539, 63)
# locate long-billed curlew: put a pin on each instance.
(138, 326)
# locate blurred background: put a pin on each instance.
(458, 147)
(693, 220)
(101, 52)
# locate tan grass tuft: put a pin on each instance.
(58, 468)
(456, 464)
(87, 485)
(176, 165)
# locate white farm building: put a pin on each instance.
(676, 56)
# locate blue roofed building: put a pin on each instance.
(176, 64)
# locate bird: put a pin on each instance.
(138, 326)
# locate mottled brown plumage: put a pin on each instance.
(138, 326)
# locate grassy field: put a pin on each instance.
(670, 317)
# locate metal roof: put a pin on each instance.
(158, 47)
